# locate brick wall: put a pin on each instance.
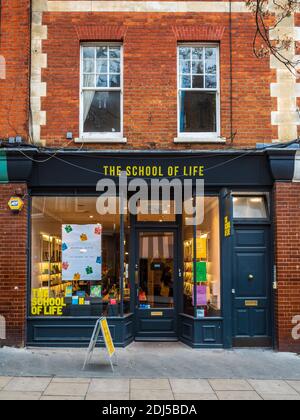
(13, 263)
(14, 47)
(287, 233)
(150, 75)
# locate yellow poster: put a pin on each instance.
(201, 248)
(107, 337)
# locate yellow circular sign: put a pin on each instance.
(16, 204)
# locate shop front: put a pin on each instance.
(155, 275)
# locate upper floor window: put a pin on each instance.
(101, 92)
(198, 91)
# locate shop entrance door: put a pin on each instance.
(156, 281)
(252, 287)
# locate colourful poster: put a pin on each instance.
(201, 296)
(81, 252)
(201, 272)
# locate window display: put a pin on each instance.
(202, 276)
(75, 258)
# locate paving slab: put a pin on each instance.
(19, 396)
(27, 384)
(4, 381)
(295, 385)
(274, 397)
(238, 396)
(150, 384)
(66, 389)
(111, 385)
(71, 380)
(191, 386)
(230, 385)
(272, 387)
(61, 398)
(147, 395)
(196, 397)
(108, 396)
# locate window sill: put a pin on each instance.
(212, 140)
(111, 140)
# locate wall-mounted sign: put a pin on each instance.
(227, 227)
(16, 204)
(81, 252)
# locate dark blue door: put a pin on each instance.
(252, 281)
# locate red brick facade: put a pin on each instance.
(13, 265)
(150, 75)
(287, 235)
(15, 48)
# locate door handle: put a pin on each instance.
(250, 277)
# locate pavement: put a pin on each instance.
(146, 389)
(150, 371)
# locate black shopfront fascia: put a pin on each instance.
(72, 173)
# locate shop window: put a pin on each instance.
(101, 92)
(157, 212)
(198, 89)
(202, 272)
(250, 207)
(75, 258)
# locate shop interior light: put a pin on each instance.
(256, 200)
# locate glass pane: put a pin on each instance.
(155, 211)
(210, 82)
(185, 82)
(102, 66)
(102, 52)
(198, 112)
(88, 52)
(114, 81)
(198, 67)
(114, 52)
(211, 53)
(202, 281)
(75, 258)
(210, 67)
(114, 66)
(102, 112)
(156, 270)
(250, 208)
(198, 82)
(185, 67)
(197, 53)
(88, 66)
(88, 80)
(185, 53)
(102, 80)
(208, 270)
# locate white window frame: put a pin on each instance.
(101, 137)
(201, 137)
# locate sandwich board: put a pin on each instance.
(101, 326)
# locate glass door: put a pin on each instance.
(156, 282)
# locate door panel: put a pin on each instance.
(156, 271)
(252, 287)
